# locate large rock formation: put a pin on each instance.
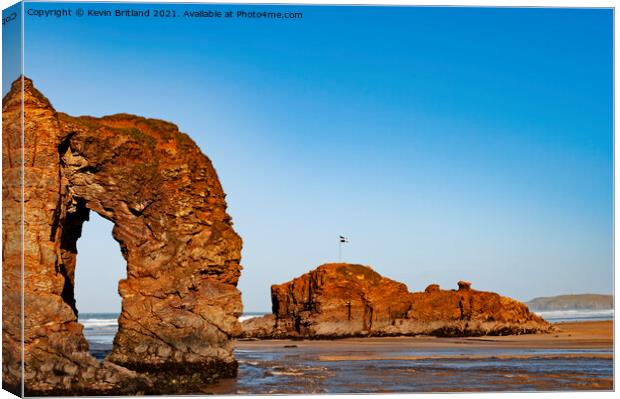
(180, 303)
(338, 299)
(343, 300)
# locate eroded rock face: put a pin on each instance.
(342, 300)
(179, 301)
(338, 299)
(12, 243)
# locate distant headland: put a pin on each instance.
(572, 302)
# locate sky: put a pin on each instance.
(11, 45)
(447, 143)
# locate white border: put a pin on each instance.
(479, 3)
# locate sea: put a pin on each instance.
(100, 328)
(559, 316)
(291, 368)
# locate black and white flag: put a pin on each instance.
(344, 239)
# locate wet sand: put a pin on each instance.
(570, 335)
(577, 356)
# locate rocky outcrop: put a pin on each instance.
(261, 327)
(338, 299)
(180, 303)
(344, 300)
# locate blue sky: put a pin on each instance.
(11, 45)
(447, 143)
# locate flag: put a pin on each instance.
(344, 239)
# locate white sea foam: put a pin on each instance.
(112, 322)
(577, 314)
(244, 318)
(98, 323)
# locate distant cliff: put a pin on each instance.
(572, 302)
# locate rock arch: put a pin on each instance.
(180, 303)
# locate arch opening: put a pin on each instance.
(99, 267)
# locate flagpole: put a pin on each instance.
(339, 250)
(341, 240)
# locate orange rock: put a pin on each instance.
(432, 288)
(338, 299)
(180, 303)
(342, 300)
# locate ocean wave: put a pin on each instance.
(95, 323)
(244, 318)
(99, 322)
(576, 314)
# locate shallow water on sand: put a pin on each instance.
(376, 366)
(308, 370)
(294, 370)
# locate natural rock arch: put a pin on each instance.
(180, 303)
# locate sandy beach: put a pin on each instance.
(570, 335)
